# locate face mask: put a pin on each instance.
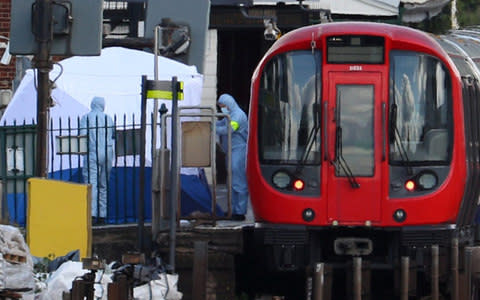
(224, 110)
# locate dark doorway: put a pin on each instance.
(239, 51)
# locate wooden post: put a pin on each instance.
(200, 270)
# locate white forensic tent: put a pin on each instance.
(116, 76)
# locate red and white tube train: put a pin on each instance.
(364, 142)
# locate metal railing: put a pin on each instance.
(215, 210)
(66, 159)
(70, 160)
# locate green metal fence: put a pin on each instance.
(17, 164)
(66, 159)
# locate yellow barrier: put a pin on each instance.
(58, 218)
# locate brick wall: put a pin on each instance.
(7, 72)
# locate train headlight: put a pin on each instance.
(281, 179)
(399, 215)
(308, 214)
(427, 180)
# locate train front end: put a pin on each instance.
(356, 146)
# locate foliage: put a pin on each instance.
(439, 24)
(468, 13)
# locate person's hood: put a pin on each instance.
(229, 101)
(98, 104)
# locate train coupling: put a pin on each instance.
(353, 246)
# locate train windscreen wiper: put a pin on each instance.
(340, 161)
(310, 139)
(316, 116)
(395, 138)
(308, 147)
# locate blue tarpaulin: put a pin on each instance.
(123, 195)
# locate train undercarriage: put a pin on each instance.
(352, 263)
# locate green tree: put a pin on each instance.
(438, 24)
(468, 14)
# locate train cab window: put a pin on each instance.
(420, 109)
(355, 105)
(289, 109)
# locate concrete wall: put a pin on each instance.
(209, 95)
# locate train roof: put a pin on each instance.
(463, 46)
(398, 34)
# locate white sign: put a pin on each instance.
(15, 160)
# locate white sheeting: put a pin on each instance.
(361, 7)
(15, 275)
(116, 76)
(164, 288)
(419, 10)
(345, 7)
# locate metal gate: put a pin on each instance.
(17, 164)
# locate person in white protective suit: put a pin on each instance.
(239, 125)
(97, 164)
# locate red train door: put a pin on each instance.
(355, 147)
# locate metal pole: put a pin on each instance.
(174, 173)
(200, 270)
(229, 165)
(319, 281)
(164, 170)
(43, 64)
(141, 202)
(357, 278)
(435, 272)
(455, 289)
(157, 173)
(213, 160)
(468, 272)
(155, 101)
(405, 268)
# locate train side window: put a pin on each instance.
(420, 90)
(290, 90)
